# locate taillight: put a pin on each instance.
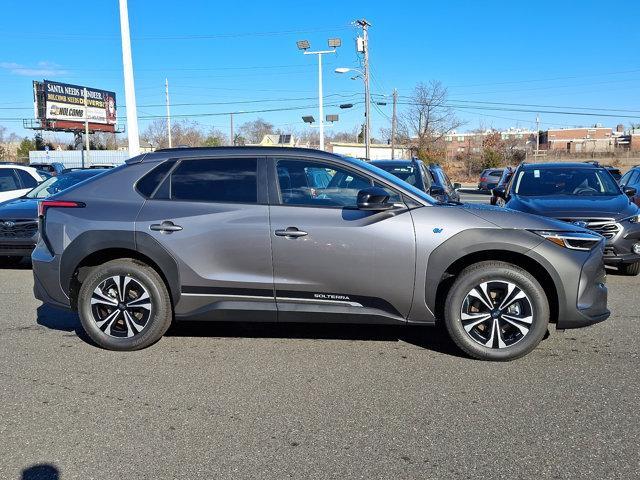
(483, 179)
(44, 205)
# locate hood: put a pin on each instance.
(19, 208)
(508, 218)
(561, 206)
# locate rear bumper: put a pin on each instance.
(46, 279)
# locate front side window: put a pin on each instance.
(216, 180)
(318, 184)
(8, 180)
(27, 180)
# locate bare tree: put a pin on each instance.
(183, 132)
(215, 138)
(428, 119)
(255, 130)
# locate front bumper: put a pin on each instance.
(580, 281)
(17, 246)
(619, 250)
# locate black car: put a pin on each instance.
(585, 195)
(430, 179)
(19, 217)
(506, 177)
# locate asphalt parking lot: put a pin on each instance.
(323, 401)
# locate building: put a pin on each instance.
(579, 140)
(278, 140)
(379, 151)
(471, 143)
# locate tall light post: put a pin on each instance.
(304, 45)
(367, 103)
(129, 89)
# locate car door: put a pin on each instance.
(10, 186)
(211, 215)
(332, 261)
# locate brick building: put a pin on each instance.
(579, 140)
(470, 143)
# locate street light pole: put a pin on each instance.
(231, 139)
(129, 89)
(304, 45)
(394, 124)
(166, 92)
(365, 34)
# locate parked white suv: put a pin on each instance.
(16, 180)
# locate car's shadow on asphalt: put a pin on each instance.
(430, 338)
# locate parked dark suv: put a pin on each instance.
(430, 179)
(631, 179)
(583, 194)
(296, 235)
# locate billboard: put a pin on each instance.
(64, 105)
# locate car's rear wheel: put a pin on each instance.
(496, 311)
(631, 269)
(124, 305)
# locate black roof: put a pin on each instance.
(391, 163)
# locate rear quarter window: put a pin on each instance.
(150, 181)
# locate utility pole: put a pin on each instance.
(85, 158)
(394, 124)
(537, 135)
(231, 139)
(129, 88)
(365, 41)
(166, 93)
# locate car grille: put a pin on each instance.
(19, 228)
(607, 227)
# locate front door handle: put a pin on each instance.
(165, 227)
(290, 232)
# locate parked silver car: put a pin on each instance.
(296, 235)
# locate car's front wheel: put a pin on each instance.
(496, 311)
(124, 305)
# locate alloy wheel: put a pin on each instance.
(497, 314)
(121, 306)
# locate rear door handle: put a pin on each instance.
(166, 227)
(291, 232)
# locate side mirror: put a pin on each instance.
(374, 198)
(457, 185)
(500, 192)
(436, 190)
(629, 191)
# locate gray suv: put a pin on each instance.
(297, 235)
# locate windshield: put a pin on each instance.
(565, 181)
(406, 173)
(392, 179)
(55, 184)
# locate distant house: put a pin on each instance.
(278, 140)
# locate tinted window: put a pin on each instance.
(407, 173)
(213, 180)
(625, 178)
(318, 184)
(57, 184)
(147, 184)
(27, 180)
(8, 180)
(634, 177)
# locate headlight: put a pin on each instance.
(572, 240)
(632, 219)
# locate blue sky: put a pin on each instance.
(571, 53)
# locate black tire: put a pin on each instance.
(10, 261)
(502, 273)
(141, 275)
(631, 269)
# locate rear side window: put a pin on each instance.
(216, 180)
(147, 184)
(27, 180)
(8, 180)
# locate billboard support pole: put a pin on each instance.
(86, 128)
(129, 91)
